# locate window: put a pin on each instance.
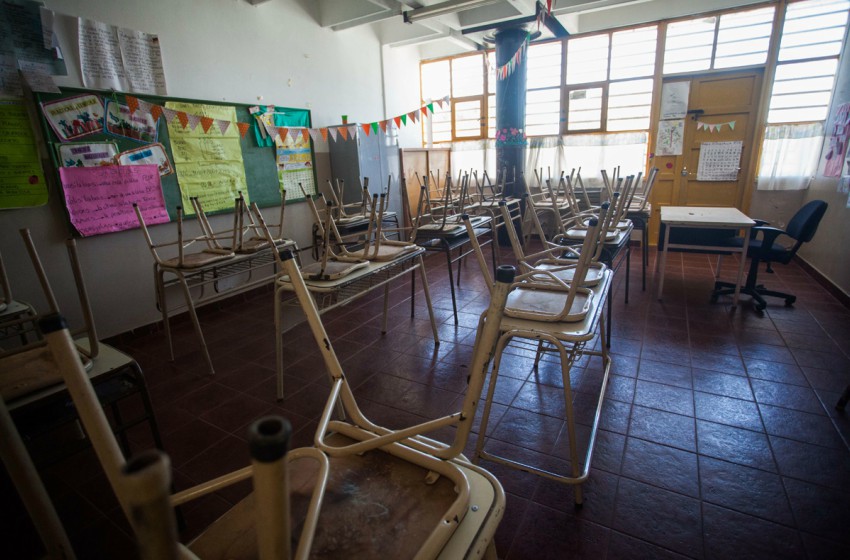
(629, 105)
(633, 53)
(464, 80)
(689, 45)
(587, 59)
(543, 98)
(584, 109)
(808, 60)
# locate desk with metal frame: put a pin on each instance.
(215, 282)
(569, 340)
(640, 221)
(704, 217)
(330, 294)
(453, 237)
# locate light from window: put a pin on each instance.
(689, 44)
(441, 123)
(743, 38)
(468, 75)
(491, 72)
(587, 59)
(813, 29)
(543, 112)
(435, 79)
(468, 119)
(633, 53)
(585, 109)
(629, 105)
(801, 91)
(544, 65)
(491, 112)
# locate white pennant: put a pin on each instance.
(333, 132)
(170, 114)
(314, 134)
(352, 131)
(222, 125)
(194, 121)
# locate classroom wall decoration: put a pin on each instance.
(119, 121)
(86, 154)
(74, 117)
(152, 154)
(28, 45)
(21, 177)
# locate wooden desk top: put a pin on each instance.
(707, 216)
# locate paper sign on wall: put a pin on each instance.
(74, 117)
(719, 161)
(674, 100)
(139, 127)
(152, 154)
(100, 199)
(21, 177)
(670, 137)
(86, 154)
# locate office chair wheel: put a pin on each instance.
(760, 305)
(789, 301)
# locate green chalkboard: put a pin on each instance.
(261, 170)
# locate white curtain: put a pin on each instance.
(789, 156)
(474, 155)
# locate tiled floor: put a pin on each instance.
(718, 435)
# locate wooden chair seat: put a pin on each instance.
(196, 260)
(565, 271)
(387, 251)
(580, 233)
(548, 305)
(332, 270)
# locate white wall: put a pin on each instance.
(222, 50)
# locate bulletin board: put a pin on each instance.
(261, 170)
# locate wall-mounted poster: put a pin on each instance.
(21, 178)
(152, 154)
(74, 117)
(86, 154)
(674, 100)
(670, 136)
(719, 161)
(138, 126)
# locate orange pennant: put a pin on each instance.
(132, 103)
(366, 128)
(383, 125)
(183, 118)
(305, 135)
(324, 132)
(343, 131)
(243, 128)
(397, 121)
(283, 132)
(156, 112)
(424, 110)
(206, 123)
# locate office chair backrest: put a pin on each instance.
(804, 223)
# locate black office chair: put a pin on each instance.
(801, 228)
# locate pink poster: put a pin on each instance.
(100, 199)
(838, 137)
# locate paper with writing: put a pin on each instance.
(139, 127)
(670, 137)
(294, 165)
(10, 80)
(152, 154)
(74, 117)
(21, 177)
(142, 61)
(674, 100)
(209, 164)
(100, 199)
(719, 161)
(86, 154)
(21, 22)
(37, 77)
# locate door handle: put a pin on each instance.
(684, 172)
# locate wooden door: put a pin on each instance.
(721, 108)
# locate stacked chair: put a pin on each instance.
(362, 488)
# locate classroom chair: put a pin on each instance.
(17, 318)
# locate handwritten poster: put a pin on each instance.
(208, 164)
(674, 100)
(139, 127)
(670, 137)
(100, 199)
(152, 154)
(10, 80)
(22, 36)
(86, 154)
(21, 177)
(294, 165)
(719, 161)
(120, 59)
(74, 117)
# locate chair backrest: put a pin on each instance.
(804, 223)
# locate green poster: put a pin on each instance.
(21, 177)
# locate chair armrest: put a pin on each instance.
(769, 236)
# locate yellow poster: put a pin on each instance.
(208, 164)
(21, 177)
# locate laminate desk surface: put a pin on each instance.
(705, 217)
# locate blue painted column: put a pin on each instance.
(510, 108)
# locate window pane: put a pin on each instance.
(689, 44)
(743, 37)
(467, 119)
(544, 65)
(813, 29)
(491, 121)
(585, 109)
(441, 123)
(801, 91)
(629, 104)
(587, 59)
(468, 76)
(491, 72)
(633, 52)
(543, 112)
(435, 79)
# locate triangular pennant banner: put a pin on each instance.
(731, 124)
(324, 132)
(375, 127)
(132, 103)
(366, 128)
(194, 121)
(283, 132)
(343, 131)
(206, 123)
(332, 132)
(243, 128)
(144, 107)
(170, 115)
(314, 134)
(222, 125)
(305, 134)
(383, 125)
(440, 102)
(397, 121)
(424, 111)
(402, 118)
(183, 118)
(412, 115)
(352, 130)
(156, 112)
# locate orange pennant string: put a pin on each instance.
(397, 121)
(156, 112)
(305, 135)
(132, 103)
(243, 128)
(183, 118)
(366, 128)
(324, 132)
(383, 125)
(206, 123)
(343, 131)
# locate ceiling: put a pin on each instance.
(466, 24)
